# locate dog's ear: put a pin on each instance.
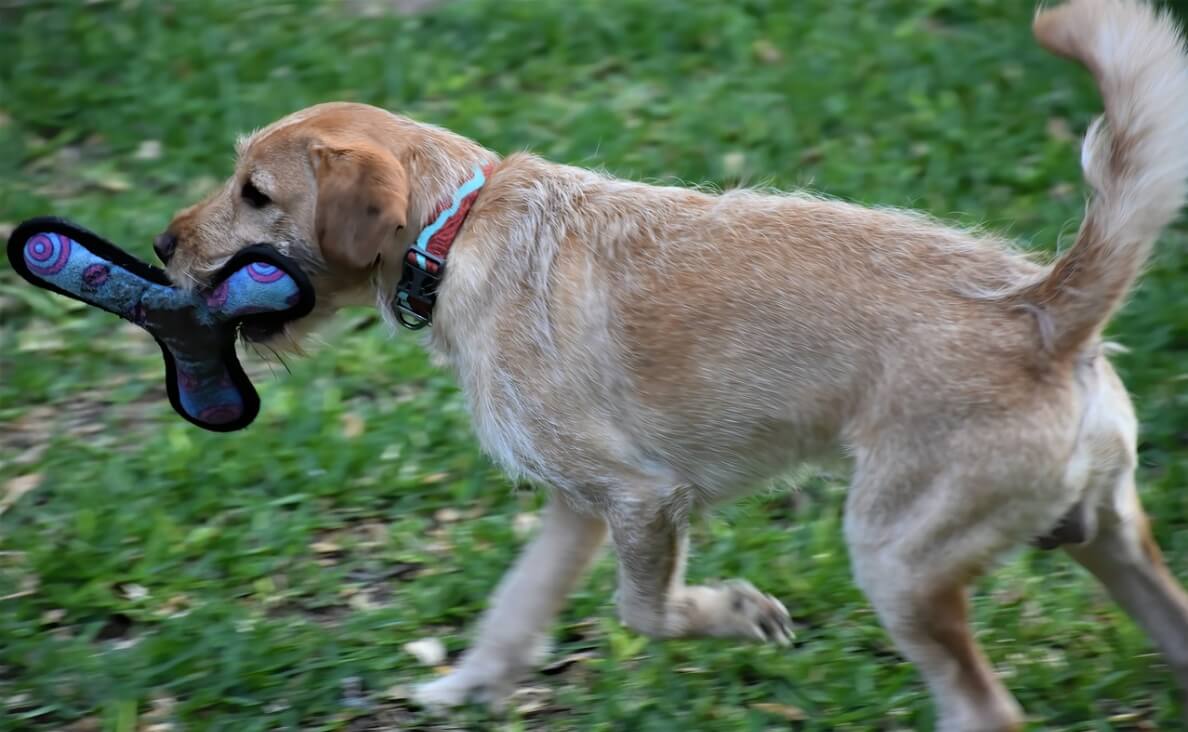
(362, 201)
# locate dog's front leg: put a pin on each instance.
(653, 598)
(512, 633)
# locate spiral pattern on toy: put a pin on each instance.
(47, 254)
(96, 274)
(265, 273)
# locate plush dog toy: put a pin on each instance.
(259, 289)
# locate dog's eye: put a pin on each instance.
(254, 196)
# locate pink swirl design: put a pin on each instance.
(47, 254)
(264, 273)
(96, 274)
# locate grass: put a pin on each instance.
(156, 575)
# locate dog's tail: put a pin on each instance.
(1135, 157)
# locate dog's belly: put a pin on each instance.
(728, 457)
(587, 446)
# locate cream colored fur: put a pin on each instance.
(647, 351)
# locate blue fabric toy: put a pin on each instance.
(258, 288)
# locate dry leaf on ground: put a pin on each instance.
(787, 711)
(429, 651)
(16, 487)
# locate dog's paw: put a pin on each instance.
(735, 609)
(463, 687)
(766, 617)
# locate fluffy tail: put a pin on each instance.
(1135, 157)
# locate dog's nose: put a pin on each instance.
(165, 245)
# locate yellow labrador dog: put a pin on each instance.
(647, 351)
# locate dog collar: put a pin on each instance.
(424, 262)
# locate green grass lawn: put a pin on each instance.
(154, 574)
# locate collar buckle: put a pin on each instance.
(424, 262)
(416, 293)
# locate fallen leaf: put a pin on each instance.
(157, 717)
(352, 426)
(530, 699)
(174, 606)
(16, 487)
(811, 155)
(148, 150)
(390, 453)
(733, 164)
(767, 52)
(362, 601)
(111, 181)
(33, 453)
(29, 341)
(429, 651)
(374, 534)
(564, 664)
(448, 516)
(200, 186)
(1058, 129)
(1062, 190)
(133, 591)
(524, 523)
(325, 547)
(434, 478)
(787, 711)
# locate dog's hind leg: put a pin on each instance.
(913, 555)
(1125, 558)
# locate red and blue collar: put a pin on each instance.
(424, 262)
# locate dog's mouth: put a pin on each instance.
(260, 333)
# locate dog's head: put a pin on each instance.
(330, 186)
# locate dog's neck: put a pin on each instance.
(438, 163)
(424, 263)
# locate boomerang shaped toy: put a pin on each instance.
(259, 288)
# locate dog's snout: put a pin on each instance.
(165, 245)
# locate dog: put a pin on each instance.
(648, 351)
